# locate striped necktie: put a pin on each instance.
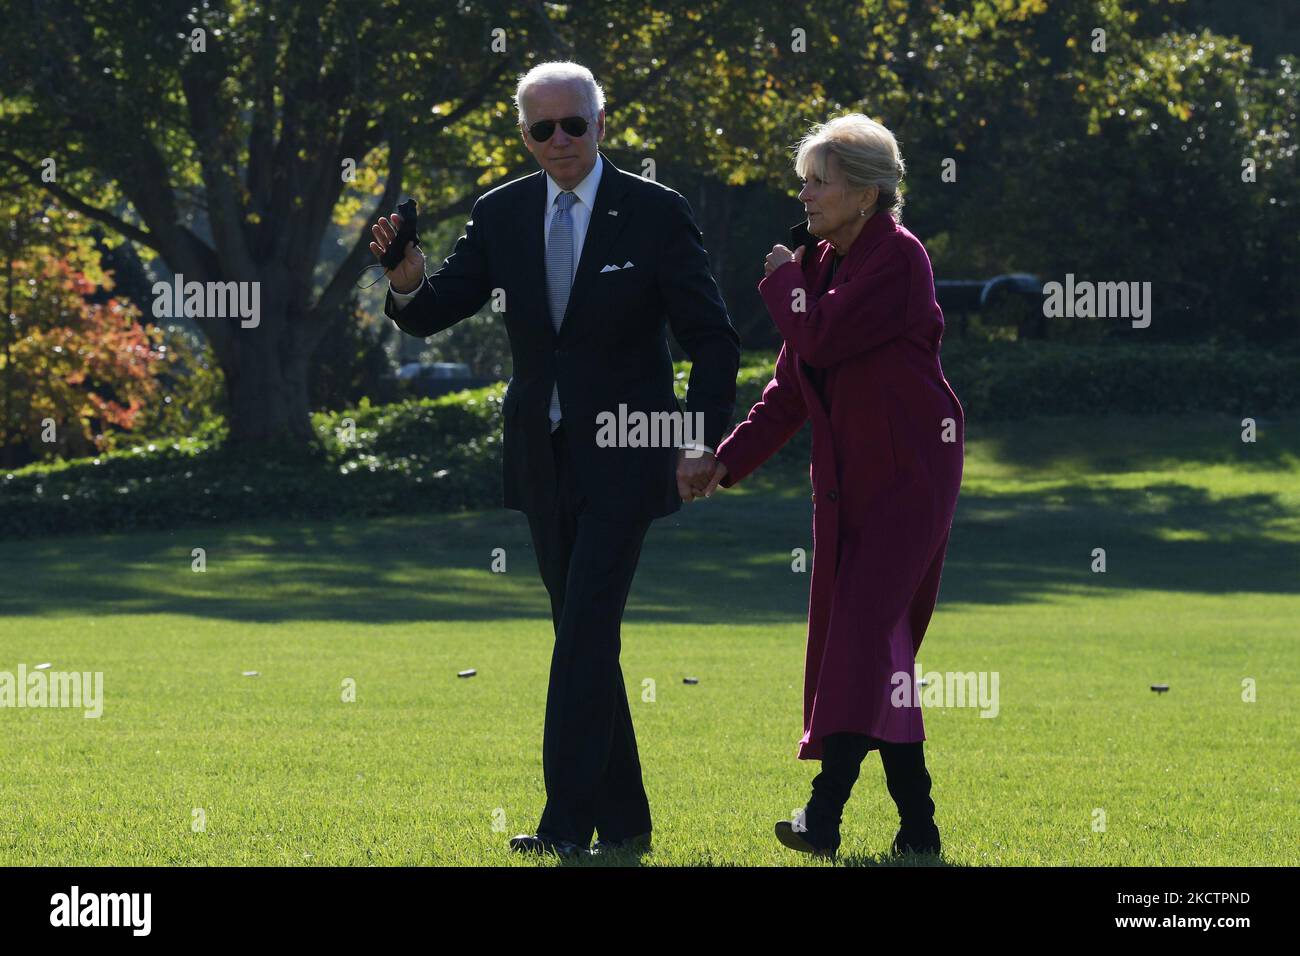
(559, 275)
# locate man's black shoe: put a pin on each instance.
(532, 843)
(633, 844)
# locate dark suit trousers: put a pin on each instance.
(589, 753)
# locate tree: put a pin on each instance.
(71, 371)
(225, 140)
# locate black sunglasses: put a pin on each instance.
(542, 130)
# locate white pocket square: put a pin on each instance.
(615, 268)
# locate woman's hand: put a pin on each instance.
(719, 472)
(779, 256)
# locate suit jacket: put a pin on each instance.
(612, 348)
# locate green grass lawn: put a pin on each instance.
(1202, 591)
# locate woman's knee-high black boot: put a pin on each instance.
(842, 756)
(909, 784)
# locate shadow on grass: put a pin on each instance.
(1119, 442)
(929, 861)
(725, 560)
(616, 859)
(845, 860)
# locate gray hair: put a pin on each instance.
(561, 72)
(867, 152)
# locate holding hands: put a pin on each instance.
(698, 477)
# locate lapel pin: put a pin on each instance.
(613, 212)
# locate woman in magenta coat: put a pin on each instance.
(861, 359)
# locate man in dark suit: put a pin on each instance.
(590, 261)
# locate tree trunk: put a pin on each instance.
(266, 371)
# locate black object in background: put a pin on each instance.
(407, 232)
(800, 236)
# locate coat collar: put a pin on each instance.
(816, 269)
(817, 264)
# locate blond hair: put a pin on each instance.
(866, 151)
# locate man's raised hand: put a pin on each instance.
(408, 274)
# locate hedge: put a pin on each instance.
(443, 454)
